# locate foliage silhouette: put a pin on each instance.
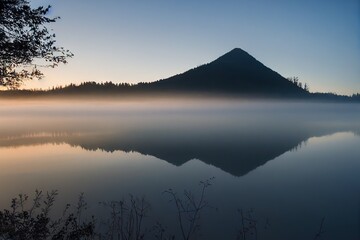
(26, 43)
(36, 223)
(321, 231)
(248, 225)
(296, 82)
(124, 223)
(126, 219)
(189, 209)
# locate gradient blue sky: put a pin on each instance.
(133, 41)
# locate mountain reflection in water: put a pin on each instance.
(108, 151)
(236, 140)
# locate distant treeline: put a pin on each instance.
(295, 81)
(335, 97)
(84, 88)
(143, 88)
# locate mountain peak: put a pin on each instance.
(237, 50)
(236, 56)
(235, 72)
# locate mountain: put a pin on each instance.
(236, 72)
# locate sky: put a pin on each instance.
(142, 41)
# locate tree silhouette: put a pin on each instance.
(26, 43)
(306, 87)
(296, 82)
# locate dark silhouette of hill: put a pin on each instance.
(236, 72)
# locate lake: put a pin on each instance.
(289, 165)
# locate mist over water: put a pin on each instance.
(293, 163)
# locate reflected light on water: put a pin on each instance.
(292, 164)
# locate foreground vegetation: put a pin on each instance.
(33, 220)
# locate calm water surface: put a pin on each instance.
(292, 163)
